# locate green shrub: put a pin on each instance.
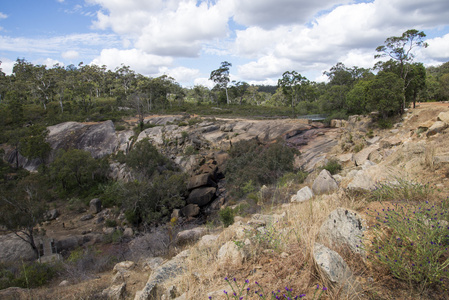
(190, 150)
(145, 159)
(27, 275)
(358, 147)
(292, 177)
(259, 164)
(120, 127)
(385, 123)
(226, 216)
(412, 243)
(401, 189)
(110, 223)
(333, 166)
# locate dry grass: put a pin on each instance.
(291, 265)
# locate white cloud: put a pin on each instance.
(180, 74)
(204, 82)
(71, 54)
(166, 28)
(139, 61)
(6, 65)
(49, 62)
(438, 49)
(57, 44)
(269, 14)
(3, 16)
(348, 33)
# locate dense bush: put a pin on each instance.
(412, 243)
(26, 275)
(333, 166)
(145, 159)
(250, 161)
(226, 216)
(76, 171)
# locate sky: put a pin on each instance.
(187, 39)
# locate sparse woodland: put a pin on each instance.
(203, 203)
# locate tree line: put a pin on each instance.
(388, 87)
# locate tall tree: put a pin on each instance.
(400, 49)
(221, 77)
(22, 209)
(291, 84)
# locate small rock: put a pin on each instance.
(52, 214)
(128, 232)
(123, 266)
(303, 194)
(324, 183)
(86, 217)
(208, 240)
(153, 263)
(115, 292)
(191, 235)
(64, 283)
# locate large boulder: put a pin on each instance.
(324, 183)
(335, 269)
(436, 127)
(343, 227)
(231, 254)
(200, 181)
(190, 235)
(362, 181)
(444, 117)
(190, 210)
(99, 139)
(13, 248)
(201, 196)
(363, 155)
(159, 276)
(95, 205)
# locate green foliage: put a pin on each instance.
(333, 166)
(384, 123)
(27, 275)
(110, 223)
(292, 177)
(76, 171)
(385, 94)
(33, 145)
(226, 216)
(190, 150)
(260, 164)
(151, 202)
(401, 189)
(411, 242)
(145, 159)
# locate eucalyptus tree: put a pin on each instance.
(221, 77)
(400, 49)
(291, 84)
